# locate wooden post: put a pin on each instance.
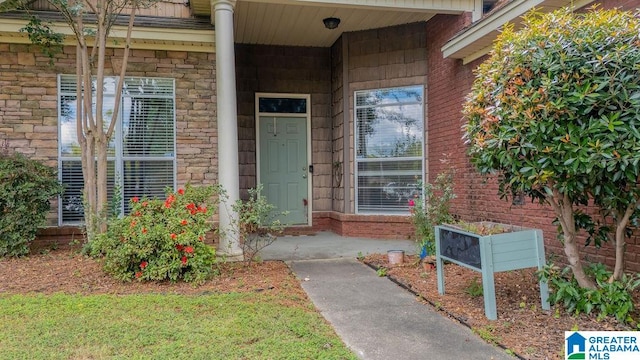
(544, 287)
(488, 283)
(439, 263)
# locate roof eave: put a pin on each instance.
(476, 40)
(143, 37)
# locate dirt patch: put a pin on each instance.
(522, 326)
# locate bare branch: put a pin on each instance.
(79, 112)
(91, 6)
(101, 40)
(86, 79)
(123, 70)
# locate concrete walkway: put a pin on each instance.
(374, 317)
(327, 245)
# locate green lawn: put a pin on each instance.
(150, 326)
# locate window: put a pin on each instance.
(488, 5)
(389, 132)
(282, 105)
(141, 154)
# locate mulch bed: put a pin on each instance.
(522, 326)
(67, 271)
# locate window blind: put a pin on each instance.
(141, 153)
(389, 132)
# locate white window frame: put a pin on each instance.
(357, 161)
(119, 158)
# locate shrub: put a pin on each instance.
(432, 211)
(26, 186)
(257, 224)
(161, 239)
(554, 112)
(607, 299)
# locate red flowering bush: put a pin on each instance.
(162, 239)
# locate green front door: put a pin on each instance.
(283, 166)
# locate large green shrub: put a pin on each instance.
(161, 239)
(26, 186)
(554, 112)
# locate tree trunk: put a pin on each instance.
(87, 144)
(620, 242)
(563, 207)
(573, 256)
(89, 191)
(101, 185)
(91, 56)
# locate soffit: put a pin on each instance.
(299, 22)
(269, 24)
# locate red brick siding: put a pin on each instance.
(366, 226)
(621, 4)
(448, 83)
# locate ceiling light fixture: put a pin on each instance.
(331, 22)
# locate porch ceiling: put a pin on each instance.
(299, 23)
(277, 24)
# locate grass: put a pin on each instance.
(153, 326)
(474, 288)
(486, 333)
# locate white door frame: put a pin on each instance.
(307, 98)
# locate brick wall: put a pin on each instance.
(297, 70)
(28, 104)
(621, 4)
(448, 83)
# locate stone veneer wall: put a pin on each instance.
(29, 110)
(294, 70)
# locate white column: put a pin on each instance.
(228, 166)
